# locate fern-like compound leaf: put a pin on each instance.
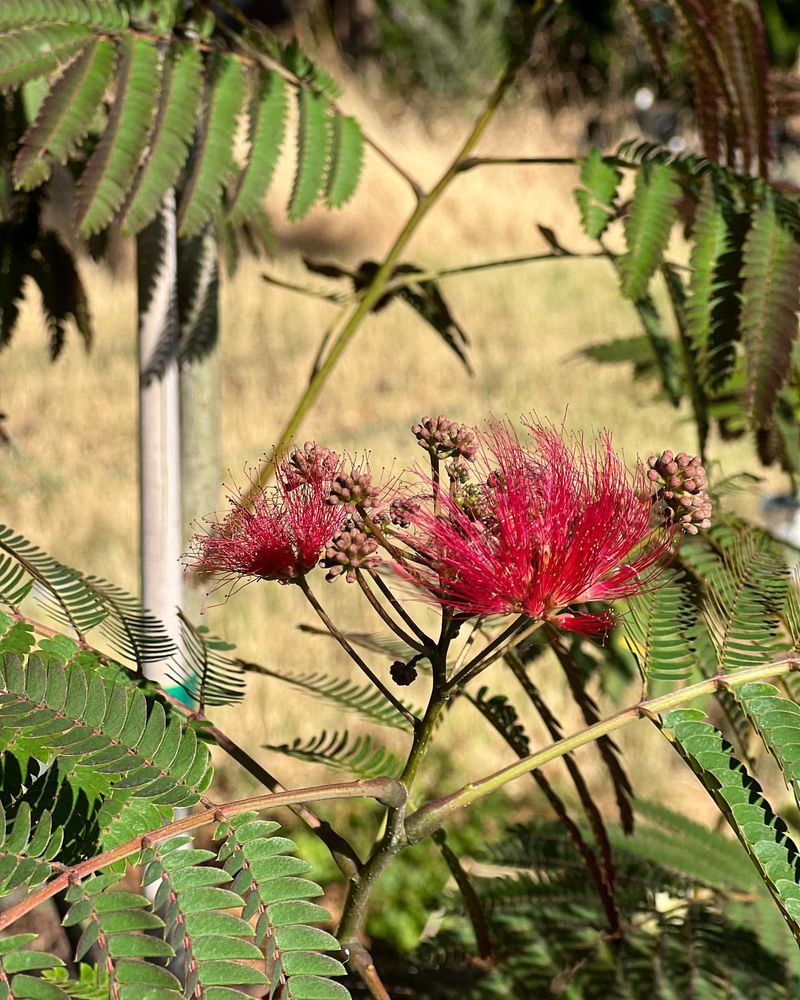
(34, 52)
(347, 157)
(360, 756)
(206, 674)
(363, 699)
(26, 851)
(713, 304)
(740, 799)
(661, 628)
(66, 114)
(597, 198)
(267, 117)
(64, 298)
(770, 300)
(107, 177)
(648, 224)
(194, 898)
(265, 872)
(104, 733)
(213, 159)
(662, 347)
(103, 15)
(313, 147)
(746, 594)
(174, 126)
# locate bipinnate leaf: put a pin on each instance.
(268, 111)
(174, 126)
(66, 114)
(364, 699)
(770, 300)
(313, 146)
(16, 964)
(777, 721)
(597, 198)
(648, 224)
(213, 155)
(26, 851)
(740, 799)
(107, 177)
(106, 734)
(347, 156)
(120, 925)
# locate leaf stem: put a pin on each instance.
(432, 815)
(385, 790)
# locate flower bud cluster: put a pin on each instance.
(309, 464)
(682, 489)
(403, 673)
(350, 549)
(354, 490)
(445, 438)
(402, 510)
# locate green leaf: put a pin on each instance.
(770, 300)
(713, 303)
(176, 118)
(648, 224)
(740, 799)
(108, 175)
(267, 128)
(597, 198)
(313, 145)
(360, 757)
(364, 699)
(347, 157)
(661, 629)
(33, 52)
(213, 157)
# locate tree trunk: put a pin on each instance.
(159, 423)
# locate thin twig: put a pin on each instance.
(337, 298)
(495, 649)
(398, 607)
(384, 616)
(346, 646)
(433, 815)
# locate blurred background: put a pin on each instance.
(413, 74)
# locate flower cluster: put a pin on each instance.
(445, 438)
(548, 525)
(537, 528)
(278, 532)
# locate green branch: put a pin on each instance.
(432, 815)
(376, 288)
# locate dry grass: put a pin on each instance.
(70, 482)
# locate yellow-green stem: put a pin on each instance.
(432, 815)
(378, 284)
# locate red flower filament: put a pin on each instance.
(278, 533)
(551, 525)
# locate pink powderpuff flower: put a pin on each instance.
(548, 526)
(278, 532)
